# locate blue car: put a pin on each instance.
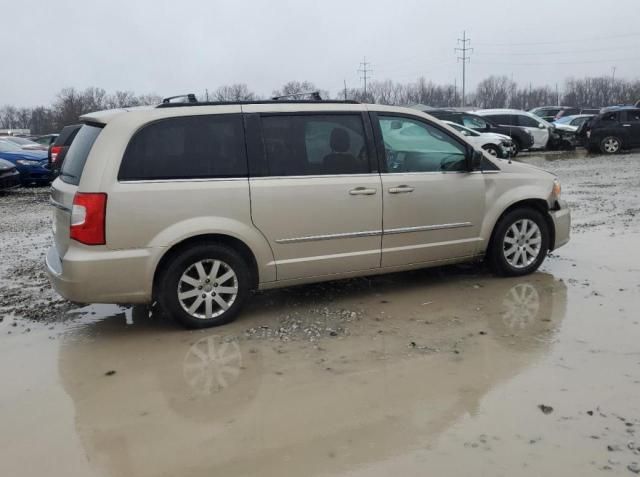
(32, 165)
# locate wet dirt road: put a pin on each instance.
(435, 372)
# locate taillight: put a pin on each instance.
(55, 150)
(88, 218)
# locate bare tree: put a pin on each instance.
(234, 92)
(299, 87)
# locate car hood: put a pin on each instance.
(30, 155)
(566, 127)
(511, 166)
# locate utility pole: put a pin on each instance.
(613, 75)
(207, 94)
(455, 90)
(465, 50)
(364, 71)
(557, 96)
(345, 90)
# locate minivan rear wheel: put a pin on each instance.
(610, 145)
(204, 285)
(520, 243)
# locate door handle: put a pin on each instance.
(362, 191)
(626, 125)
(403, 189)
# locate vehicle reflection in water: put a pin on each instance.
(216, 403)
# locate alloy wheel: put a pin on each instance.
(522, 243)
(207, 289)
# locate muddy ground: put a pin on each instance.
(436, 372)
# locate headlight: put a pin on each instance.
(555, 192)
(26, 162)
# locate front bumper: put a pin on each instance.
(561, 217)
(92, 275)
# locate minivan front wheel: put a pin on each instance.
(520, 243)
(204, 285)
(610, 145)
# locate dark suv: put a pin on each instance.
(612, 131)
(58, 149)
(521, 138)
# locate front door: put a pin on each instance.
(433, 207)
(319, 201)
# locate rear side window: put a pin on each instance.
(193, 147)
(527, 121)
(506, 119)
(632, 115)
(321, 144)
(76, 157)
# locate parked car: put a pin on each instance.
(544, 134)
(58, 150)
(196, 204)
(551, 113)
(24, 143)
(32, 165)
(46, 139)
(521, 138)
(498, 145)
(572, 123)
(612, 131)
(9, 176)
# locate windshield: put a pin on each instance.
(564, 120)
(6, 146)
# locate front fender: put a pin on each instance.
(500, 197)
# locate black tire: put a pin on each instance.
(496, 253)
(611, 145)
(170, 283)
(491, 149)
(517, 147)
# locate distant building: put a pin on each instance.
(15, 132)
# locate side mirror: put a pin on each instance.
(475, 160)
(464, 133)
(396, 125)
(540, 126)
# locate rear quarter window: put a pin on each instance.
(76, 158)
(192, 147)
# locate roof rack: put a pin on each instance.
(314, 95)
(191, 98)
(192, 101)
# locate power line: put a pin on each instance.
(465, 58)
(556, 42)
(565, 52)
(608, 60)
(364, 70)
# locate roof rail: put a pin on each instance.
(267, 101)
(191, 98)
(314, 95)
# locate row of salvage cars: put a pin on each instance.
(506, 132)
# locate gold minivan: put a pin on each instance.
(193, 205)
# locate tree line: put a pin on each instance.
(492, 92)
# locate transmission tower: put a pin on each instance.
(364, 71)
(465, 51)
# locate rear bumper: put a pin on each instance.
(562, 224)
(92, 275)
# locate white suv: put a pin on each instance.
(540, 129)
(196, 204)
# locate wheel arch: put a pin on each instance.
(215, 238)
(538, 204)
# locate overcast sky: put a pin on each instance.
(178, 46)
